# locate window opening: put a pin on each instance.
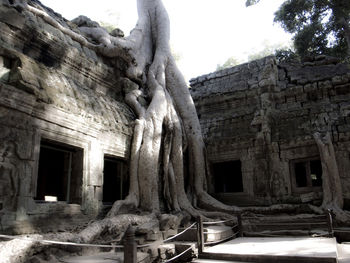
(115, 180)
(301, 174)
(306, 173)
(228, 177)
(60, 173)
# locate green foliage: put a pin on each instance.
(282, 52)
(319, 26)
(286, 55)
(176, 54)
(251, 2)
(230, 62)
(111, 20)
(108, 26)
(268, 50)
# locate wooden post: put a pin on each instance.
(200, 235)
(330, 222)
(239, 223)
(130, 248)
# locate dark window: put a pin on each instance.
(316, 172)
(60, 172)
(227, 177)
(306, 174)
(115, 180)
(301, 174)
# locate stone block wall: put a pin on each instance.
(53, 89)
(264, 114)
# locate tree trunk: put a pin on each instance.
(341, 13)
(346, 27)
(331, 184)
(332, 190)
(166, 125)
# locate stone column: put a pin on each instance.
(93, 187)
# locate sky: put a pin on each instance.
(204, 33)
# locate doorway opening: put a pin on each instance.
(228, 177)
(115, 180)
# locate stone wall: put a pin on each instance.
(264, 114)
(54, 89)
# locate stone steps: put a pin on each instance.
(288, 225)
(211, 233)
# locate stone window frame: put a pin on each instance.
(61, 138)
(306, 189)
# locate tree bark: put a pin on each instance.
(331, 184)
(166, 126)
(332, 190)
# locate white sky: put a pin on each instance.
(203, 32)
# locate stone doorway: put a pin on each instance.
(227, 177)
(115, 180)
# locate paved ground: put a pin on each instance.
(283, 246)
(344, 253)
(298, 246)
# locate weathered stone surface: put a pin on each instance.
(52, 88)
(167, 222)
(269, 129)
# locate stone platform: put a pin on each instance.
(274, 249)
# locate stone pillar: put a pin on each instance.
(93, 187)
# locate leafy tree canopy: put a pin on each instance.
(282, 52)
(319, 26)
(251, 2)
(230, 62)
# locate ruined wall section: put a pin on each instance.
(314, 97)
(265, 114)
(52, 88)
(231, 105)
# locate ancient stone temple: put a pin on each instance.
(258, 120)
(65, 129)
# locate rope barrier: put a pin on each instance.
(91, 245)
(158, 243)
(59, 242)
(341, 230)
(177, 256)
(171, 238)
(320, 235)
(166, 240)
(236, 225)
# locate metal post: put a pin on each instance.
(330, 222)
(200, 235)
(130, 248)
(239, 223)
